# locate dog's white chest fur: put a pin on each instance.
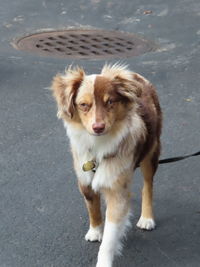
(88, 147)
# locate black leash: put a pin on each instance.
(170, 160)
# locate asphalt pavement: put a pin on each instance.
(43, 219)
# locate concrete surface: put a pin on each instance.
(42, 216)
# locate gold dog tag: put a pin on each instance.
(89, 166)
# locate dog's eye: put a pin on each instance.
(110, 102)
(84, 106)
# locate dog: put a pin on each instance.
(113, 121)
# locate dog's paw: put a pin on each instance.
(146, 223)
(103, 263)
(94, 234)
(104, 259)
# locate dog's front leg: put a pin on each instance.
(92, 201)
(117, 213)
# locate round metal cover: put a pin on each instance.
(85, 44)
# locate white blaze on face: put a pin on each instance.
(86, 93)
(87, 86)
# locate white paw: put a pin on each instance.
(104, 260)
(103, 263)
(146, 223)
(94, 234)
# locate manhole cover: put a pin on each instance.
(82, 44)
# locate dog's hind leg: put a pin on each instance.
(92, 201)
(148, 167)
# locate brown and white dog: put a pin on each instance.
(113, 121)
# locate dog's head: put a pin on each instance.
(96, 102)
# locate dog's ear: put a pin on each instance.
(65, 89)
(130, 89)
(123, 81)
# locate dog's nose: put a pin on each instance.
(98, 127)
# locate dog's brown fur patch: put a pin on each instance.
(92, 201)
